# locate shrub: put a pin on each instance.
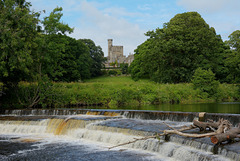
(122, 96)
(204, 80)
(124, 68)
(112, 72)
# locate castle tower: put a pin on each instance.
(110, 48)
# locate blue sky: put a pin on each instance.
(126, 21)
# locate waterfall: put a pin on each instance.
(135, 114)
(23, 127)
(162, 115)
(116, 127)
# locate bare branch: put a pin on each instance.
(130, 142)
(224, 132)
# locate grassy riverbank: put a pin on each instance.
(122, 90)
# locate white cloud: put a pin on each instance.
(203, 5)
(144, 7)
(120, 12)
(93, 20)
(223, 15)
(100, 26)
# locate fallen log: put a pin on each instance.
(229, 135)
(204, 125)
(166, 132)
(222, 131)
(223, 125)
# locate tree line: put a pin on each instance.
(39, 50)
(186, 45)
(32, 48)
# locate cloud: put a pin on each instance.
(226, 7)
(99, 22)
(203, 5)
(144, 7)
(223, 15)
(120, 12)
(100, 26)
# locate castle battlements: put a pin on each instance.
(115, 55)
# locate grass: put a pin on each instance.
(122, 90)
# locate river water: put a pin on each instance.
(17, 147)
(86, 134)
(223, 107)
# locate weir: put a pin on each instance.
(113, 127)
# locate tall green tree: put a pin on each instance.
(55, 43)
(233, 57)
(173, 53)
(97, 57)
(18, 31)
(79, 66)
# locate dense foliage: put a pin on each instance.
(122, 90)
(39, 51)
(97, 57)
(18, 31)
(173, 53)
(233, 58)
(205, 81)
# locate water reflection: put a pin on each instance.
(226, 107)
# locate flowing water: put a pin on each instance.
(82, 134)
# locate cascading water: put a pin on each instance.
(92, 132)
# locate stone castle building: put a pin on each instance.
(115, 55)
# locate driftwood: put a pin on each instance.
(229, 135)
(223, 125)
(220, 131)
(130, 142)
(204, 125)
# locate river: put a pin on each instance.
(86, 134)
(223, 107)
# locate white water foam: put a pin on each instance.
(91, 134)
(23, 127)
(165, 149)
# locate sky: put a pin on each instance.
(126, 21)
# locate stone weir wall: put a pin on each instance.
(135, 114)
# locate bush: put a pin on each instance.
(123, 96)
(205, 81)
(124, 68)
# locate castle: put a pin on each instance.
(115, 55)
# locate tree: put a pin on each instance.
(97, 57)
(52, 24)
(234, 41)
(18, 31)
(75, 61)
(148, 56)
(124, 68)
(172, 54)
(233, 57)
(55, 44)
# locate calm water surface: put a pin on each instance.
(225, 107)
